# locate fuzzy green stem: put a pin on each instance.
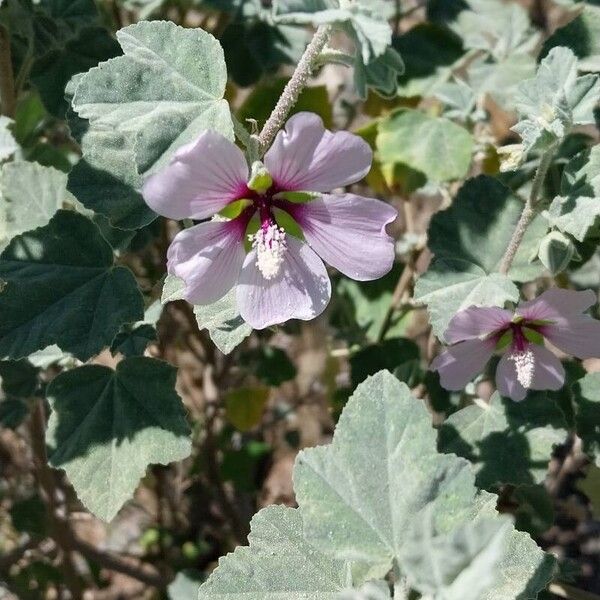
(529, 212)
(294, 87)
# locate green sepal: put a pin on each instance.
(260, 178)
(235, 209)
(533, 336)
(505, 340)
(298, 197)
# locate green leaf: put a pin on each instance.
(586, 393)
(51, 72)
(185, 586)
(278, 564)
(8, 144)
(556, 251)
(364, 497)
(245, 407)
(435, 146)
(225, 326)
(460, 565)
(107, 426)
(479, 225)
(581, 35)
(450, 286)
(398, 355)
(13, 412)
(368, 303)
(428, 51)
(29, 196)
(496, 27)
(180, 80)
(132, 341)
(263, 98)
(19, 378)
(555, 100)
(271, 365)
(507, 442)
(377, 65)
(577, 209)
(106, 181)
(62, 288)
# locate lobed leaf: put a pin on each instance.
(107, 426)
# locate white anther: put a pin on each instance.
(525, 366)
(270, 246)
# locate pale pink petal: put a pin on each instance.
(306, 156)
(348, 232)
(301, 290)
(506, 380)
(458, 364)
(548, 374)
(556, 303)
(208, 257)
(202, 178)
(578, 336)
(477, 322)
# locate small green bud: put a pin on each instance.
(260, 178)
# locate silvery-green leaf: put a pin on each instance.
(8, 144)
(574, 215)
(436, 146)
(30, 194)
(556, 98)
(451, 285)
(500, 79)
(496, 27)
(586, 393)
(180, 80)
(459, 100)
(372, 590)
(460, 565)
(581, 176)
(479, 225)
(363, 495)
(222, 319)
(507, 442)
(107, 426)
(278, 564)
(556, 252)
(50, 273)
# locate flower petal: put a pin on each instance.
(202, 178)
(506, 380)
(301, 290)
(458, 364)
(476, 322)
(308, 157)
(348, 232)
(549, 374)
(556, 303)
(578, 336)
(208, 257)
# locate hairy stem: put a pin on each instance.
(529, 212)
(7, 78)
(294, 87)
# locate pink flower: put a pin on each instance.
(476, 333)
(282, 276)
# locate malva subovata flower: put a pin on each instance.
(279, 276)
(476, 333)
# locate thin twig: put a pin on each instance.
(294, 87)
(112, 562)
(7, 77)
(529, 212)
(59, 529)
